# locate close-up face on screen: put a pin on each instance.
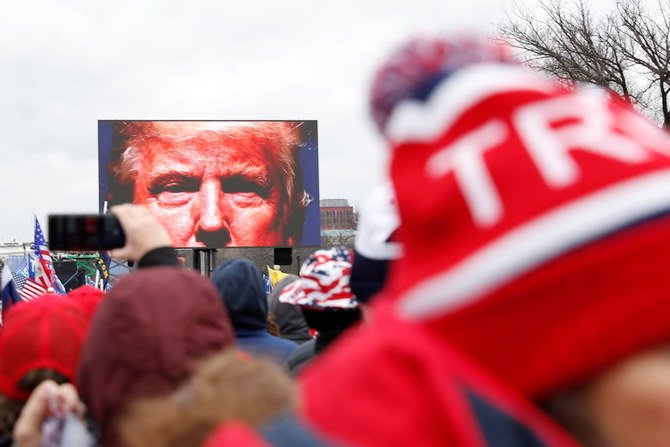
(216, 184)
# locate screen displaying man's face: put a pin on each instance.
(214, 184)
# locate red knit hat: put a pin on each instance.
(46, 333)
(534, 221)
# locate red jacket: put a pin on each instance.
(396, 384)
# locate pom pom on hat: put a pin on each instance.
(412, 71)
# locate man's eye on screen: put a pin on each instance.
(245, 188)
(175, 192)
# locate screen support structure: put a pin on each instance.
(204, 260)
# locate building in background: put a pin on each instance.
(337, 214)
(338, 223)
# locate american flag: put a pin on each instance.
(19, 280)
(49, 278)
(31, 290)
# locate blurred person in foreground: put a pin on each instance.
(153, 328)
(213, 184)
(534, 223)
(41, 340)
(328, 305)
(241, 289)
(404, 387)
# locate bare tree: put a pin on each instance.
(626, 50)
(338, 238)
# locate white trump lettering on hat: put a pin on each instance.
(465, 158)
(590, 128)
(550, 130)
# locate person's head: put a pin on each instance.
(213, 184)
(289, 318)
(241, 288)
(146, 339)
(229, 386)
(323, 292)
(628, 404)
(40, 339)
(535, 221)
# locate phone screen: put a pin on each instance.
(79, 232)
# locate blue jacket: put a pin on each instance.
(242, 289)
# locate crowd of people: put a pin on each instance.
(507, 288)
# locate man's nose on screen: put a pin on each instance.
(211, 227)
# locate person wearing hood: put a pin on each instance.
(289, 318)
(148, 336)
(151, 331)
(405, 384)
(241, 288)
(376, 245)
(535, 225)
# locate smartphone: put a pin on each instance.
(85, 232)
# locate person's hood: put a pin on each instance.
(146, 338)
(376, 244)
(289, 318)
(241, 287)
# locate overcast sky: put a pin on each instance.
(65, 64)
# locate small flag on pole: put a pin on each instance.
(10, 295)
(32, 290)
(275, 275)
(103, 267)
(268, 286)
(46, 275)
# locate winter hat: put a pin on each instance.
(376, 243)
(412, 72)
(147, 337)
(46, 333)
(534, 219)
(323, 282)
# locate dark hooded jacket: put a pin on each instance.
(146, 339)
(289, 317)
(241, 287)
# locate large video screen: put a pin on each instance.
(216, 184)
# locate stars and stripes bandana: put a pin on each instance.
(323, 282)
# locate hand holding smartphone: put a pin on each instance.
(130, 231)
